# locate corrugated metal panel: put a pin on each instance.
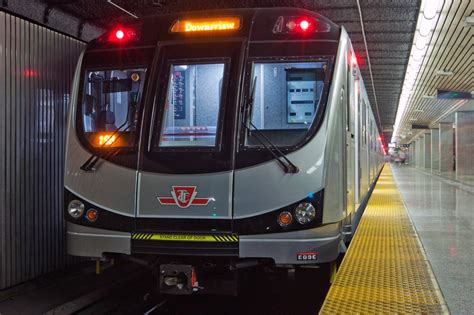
(36, 71)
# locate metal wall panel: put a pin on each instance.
(36, 71)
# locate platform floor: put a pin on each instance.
(442, 211)
(385, 269)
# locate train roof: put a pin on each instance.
(254, 24)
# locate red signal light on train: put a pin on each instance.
(300, 24)
(122, 34)
(304, 25)
(119, 34)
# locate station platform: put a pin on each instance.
(385, 269)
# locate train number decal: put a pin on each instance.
(307, 256)
(183, 197)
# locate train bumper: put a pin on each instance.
(93, 242)
(312, 246)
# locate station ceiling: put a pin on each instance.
(448, 65)
(389, 27)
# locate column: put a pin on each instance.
(446, 147)
(464, 143)
(421, 160)
(434, 150)
(417, 150)
(427, 153)
(412, 151)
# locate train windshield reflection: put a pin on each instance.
(286, 100)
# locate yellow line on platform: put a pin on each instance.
(385, 269)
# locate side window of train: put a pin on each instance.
(285, 103)
(193, 106)
(108, 116)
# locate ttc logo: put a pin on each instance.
(183, 197)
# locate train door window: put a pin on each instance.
(110, 105)
(192, 106)
(364, 123)
(348, 98)
(285, 101)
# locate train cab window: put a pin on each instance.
(110, 105)
(285, 101)
(192, 106)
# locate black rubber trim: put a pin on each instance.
(185, 248)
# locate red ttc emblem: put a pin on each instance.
(183, 197)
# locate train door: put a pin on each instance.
(186, 169)
(350, 141)
(364, 176)
(369, 147)
(357, 134)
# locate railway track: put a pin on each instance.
(131, 289)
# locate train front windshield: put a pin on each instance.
(110, 106)
(285, 102)
(192, 106)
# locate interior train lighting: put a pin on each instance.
(426, 24)
(107, 140)
(206, 25)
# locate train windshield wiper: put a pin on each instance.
(88, 165)
(285, 163)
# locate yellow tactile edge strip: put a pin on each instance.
(385, 269)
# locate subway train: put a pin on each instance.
(207, 143)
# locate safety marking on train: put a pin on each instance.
(224, 238)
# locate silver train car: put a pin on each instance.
(231, 139)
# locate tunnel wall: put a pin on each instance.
(36, 71)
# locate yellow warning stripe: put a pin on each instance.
(385, 270)
(223, 238)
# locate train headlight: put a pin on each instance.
(305, 213)
(75, 209)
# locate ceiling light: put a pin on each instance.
(426, 24)
(445, 73)
(470, 21)
(413, 119)
(419, 110)
(430, 97)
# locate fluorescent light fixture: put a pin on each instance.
(445, 73)
(426, 24)
(419, 110)
(470, 21)
(413, 119)
(430, 97)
